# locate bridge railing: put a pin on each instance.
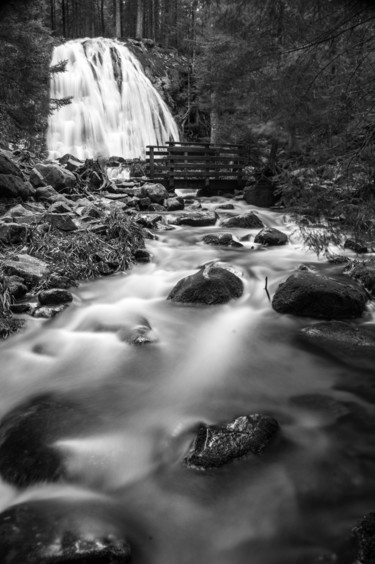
(195, 161)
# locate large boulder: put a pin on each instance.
(57, 176)
(12, 186)
(156, 192)
(62, 531)
(247, 220)
(211, 285)
(271, 237)
(30, 269)
(307, 293)
(216, 445)
(27, 436)
(13, 233)
(195, 219)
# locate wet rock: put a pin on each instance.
(222, 239)
(309, 294)
(19, 309)
(355, 246)
(13, 233)
(148, 220)
(156, 208)
(62, 221)
(46, 193)
(70, 162)
(16, 287)
(363, 273)
(45, 312)
(211, 285)
(12, 186)
(216, 445)
(142, 255)
(28, 434)
(140, 334)
(345, 341)
(174, 204)
(364, 535)
(55, 296)
(196, 219)
(271, 237)
(57, 176)
(61, 531)
(245, 221)
(225, 207)
(31, 269)
(36, 178)
(8, 166)
(156, 192)
(59, 207)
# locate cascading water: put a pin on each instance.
(115, 110)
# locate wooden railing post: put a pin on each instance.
(152, 163)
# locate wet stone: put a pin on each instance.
(355, 246)
(211, 285)
(55, 296)
(31, 269)
(309, 294)
(27, 434)
(271, 237)
(222, 239)
(245, 221)
(217, 445)
(195, 219)
(142, 255)
(62, 532)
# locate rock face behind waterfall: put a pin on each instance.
(313, 295)
(115, 109)
(216, 445)
(212, 285)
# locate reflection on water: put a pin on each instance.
(209, 364)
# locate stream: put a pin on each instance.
(294, 504)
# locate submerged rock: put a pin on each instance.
(27, 436)
(246, 221)
(211, 285)
(309, 294)
(364, 534)
(271, 237)
(61, 531)
(216, 445)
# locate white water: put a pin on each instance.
(208, 364)
(115, 110)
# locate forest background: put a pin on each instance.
(292, 79)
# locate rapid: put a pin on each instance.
(296, 503)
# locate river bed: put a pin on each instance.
(297, 502)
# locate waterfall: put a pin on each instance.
(115, 110)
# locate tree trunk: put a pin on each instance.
(118, 18)
(140, 16)
(214, 118)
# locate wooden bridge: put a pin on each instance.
(197, 165)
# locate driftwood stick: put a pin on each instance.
(267, 292)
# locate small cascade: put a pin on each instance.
(115, 109)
